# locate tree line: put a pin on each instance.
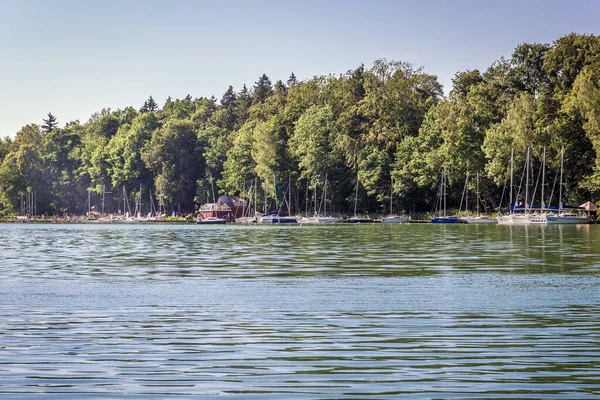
(366, 125)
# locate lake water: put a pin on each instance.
(299, 312)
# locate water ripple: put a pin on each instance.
(158, 251)
(271, 312)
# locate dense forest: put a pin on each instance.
(388, 121)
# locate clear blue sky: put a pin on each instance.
(74, 57)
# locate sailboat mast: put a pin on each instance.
(306, 196)
(392, 196)
(140, 197)
(527, 181)
(562, 159)
(325, 196)
(212, 188)
(315, 212)
(543, 176)
(512, 162)
(356, 194)
(477, 195)
(467, 194)
(444, 189)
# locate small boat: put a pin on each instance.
(284, 220)
(246, 220)
(355, 219)
(480, 220)
(210, 221)
(443, 219)
(359, 220)
(566, 219)
(393, 219)
(275, 218)
(328, 220)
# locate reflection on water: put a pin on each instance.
(160, 251)
(299, 312)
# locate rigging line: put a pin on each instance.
(520, 186)
(536, 185)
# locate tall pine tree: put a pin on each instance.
(292, 80)
(262, 89)
(150, 105)
(49, 124)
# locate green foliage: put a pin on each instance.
(127, 168)
(23, 170)
(172, 156)
(239, 166)
(311, 143)
(389, 120)
(265, 150)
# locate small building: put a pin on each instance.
(226, 207)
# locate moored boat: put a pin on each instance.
(480, 220)
(359, 220)
(566, 219)
(563, 216)
(394, 220)
(328, 220)
(210, 221)
(443, 218)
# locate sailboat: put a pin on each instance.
(356, 219)
(563, 217)
(393, 219)
(515, 218)
(444, 219)
(325, 219)
(90, 215)
(315, 217)
(479, 219)
(249, 213)
(274, 217)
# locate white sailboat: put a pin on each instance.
(564, 217)
(479, 219)
(393, 219)
(326, 219)
(274, 217)
(356, 219)
(443, 218)
(315, 217)
(517, 218)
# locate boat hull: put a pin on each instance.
(535, 219)
(480, 220)
(566, 220)
(358, 220)
(445, 220)
(394, 220)
(328, 220)
(210, 221)
(278, 220)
